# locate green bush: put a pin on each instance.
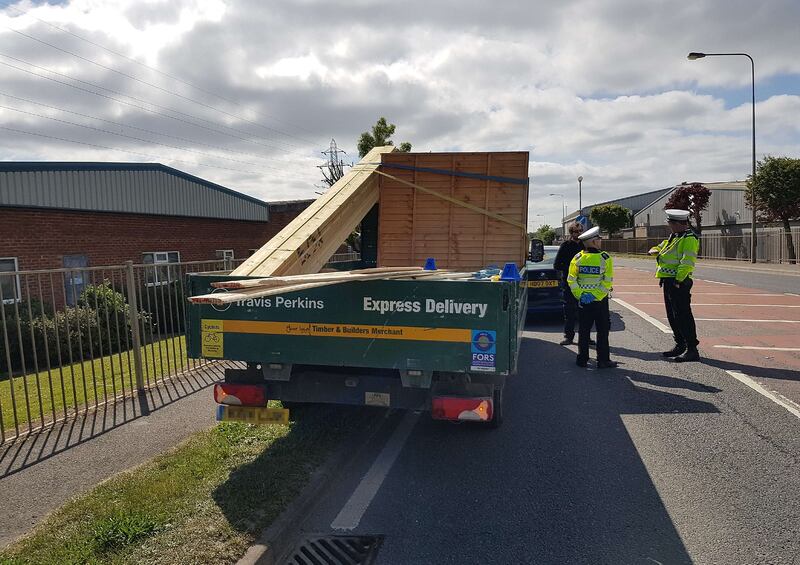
(165, 304)
(99, 325)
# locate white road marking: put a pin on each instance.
(758, 347)
(747, 305)
(351, 513)
(644, 316)
(776, 398)
(747, 320)
(715, 282)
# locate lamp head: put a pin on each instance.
(580, 179)
(692, 56)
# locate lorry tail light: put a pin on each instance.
(478, 409)
(240, 395)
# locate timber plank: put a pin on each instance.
(312, 234)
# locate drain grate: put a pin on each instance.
(336, 550)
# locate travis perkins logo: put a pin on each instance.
(297, 303)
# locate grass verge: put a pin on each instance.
(83, 383)
(205, 502)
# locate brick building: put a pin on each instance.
(73, 215)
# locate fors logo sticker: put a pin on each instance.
(484, 341)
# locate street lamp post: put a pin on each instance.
(694, 56)
(580, 202)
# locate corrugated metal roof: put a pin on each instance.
(726, 206)
(134, 188)
(634, 203)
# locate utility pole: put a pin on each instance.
(333, 170)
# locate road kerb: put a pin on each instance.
(278, 538)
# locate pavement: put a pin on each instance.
(653, 462)
(42, 472)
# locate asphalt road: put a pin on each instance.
(654, 462)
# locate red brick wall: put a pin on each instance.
(40, 238)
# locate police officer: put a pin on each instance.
(676, 258)
(591, 274)
(566, 252)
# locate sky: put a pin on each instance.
(247, 93)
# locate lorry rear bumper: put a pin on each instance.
(370, 387)
(359, 390)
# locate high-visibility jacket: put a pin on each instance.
(677, 255)
(591, 271)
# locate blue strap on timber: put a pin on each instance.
(508, 180)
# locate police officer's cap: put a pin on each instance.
(677, 215)
(593, 233)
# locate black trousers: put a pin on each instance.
(594, 314)
(678, 303)
(570, 310)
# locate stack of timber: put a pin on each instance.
(467, 210)
(246, 289)
(306, 243)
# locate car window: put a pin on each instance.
(549, 257)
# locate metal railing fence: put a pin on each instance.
(772, 245)
(74, 339)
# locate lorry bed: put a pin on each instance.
(384, 342)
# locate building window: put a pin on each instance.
(74, 281)
(9, 283)
(225, 254)
(163, 271)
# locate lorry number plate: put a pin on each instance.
(542, 284)
(377, 399)
(253, 415)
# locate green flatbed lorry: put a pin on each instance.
(445, 346)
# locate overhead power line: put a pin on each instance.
(156, 158)
(152, 132)
(134, 98)
(168, 75)
(162, 89)
(67, 122)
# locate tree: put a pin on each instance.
(776, 186)
(693, 197)
(611, 217)
(381, 132)
(545, 233)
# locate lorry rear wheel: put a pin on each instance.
(497, 408)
